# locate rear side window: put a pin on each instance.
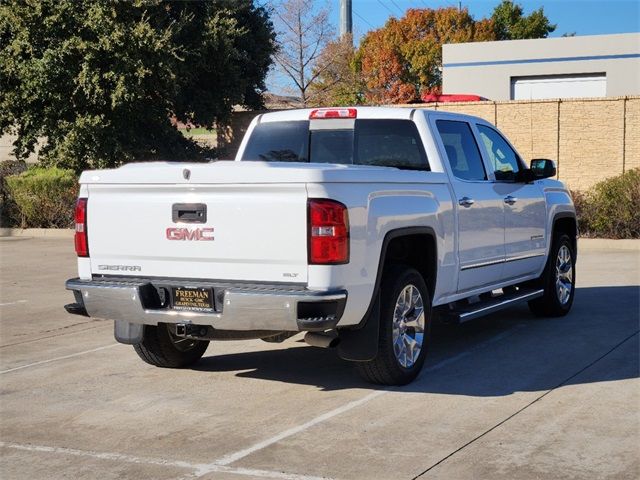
(279, 142)
(462, 150)
(388, 143)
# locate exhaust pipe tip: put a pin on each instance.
(322, 339)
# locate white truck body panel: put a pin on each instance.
(258, 213)
(376, 210)
(259, 231)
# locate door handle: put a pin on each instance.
(510, 200)
(466, 202)
(189, 213)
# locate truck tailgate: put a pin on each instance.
(252, 232)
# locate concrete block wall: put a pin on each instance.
(632, 133)
(6, 149)
(590, 139)
(591, 142)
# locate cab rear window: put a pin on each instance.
(389, 143)
(279, 142)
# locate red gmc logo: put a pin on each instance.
(201, 234)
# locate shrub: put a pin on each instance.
(45, 197)
(9, 213)
(611, 209)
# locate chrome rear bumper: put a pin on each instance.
(242, 308)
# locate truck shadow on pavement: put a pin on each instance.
(507, 352)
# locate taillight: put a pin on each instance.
(328, 232)
(82, 243)
(333, 113)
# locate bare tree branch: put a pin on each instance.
(303, 32)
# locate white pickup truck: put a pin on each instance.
(356, 226)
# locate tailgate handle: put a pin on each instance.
(189, 213)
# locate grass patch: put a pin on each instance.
(197, 131)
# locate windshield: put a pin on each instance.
(387, 143)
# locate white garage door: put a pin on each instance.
(559, 86)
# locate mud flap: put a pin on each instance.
(361, 344)
(128, 333)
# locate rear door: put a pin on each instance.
(249, 232)
(524, 206)
(479, 207)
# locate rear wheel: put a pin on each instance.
(558, 280)
(405, 323)
(163, 348)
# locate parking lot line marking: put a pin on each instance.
(12, 303)
(234, 457)
(42, 362)
(101, 455)
(522, 409)
(199, 469)
(252, 472)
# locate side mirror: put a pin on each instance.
(543, 168)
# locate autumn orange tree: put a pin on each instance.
(339, 80)
(403, 59)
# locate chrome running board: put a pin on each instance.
(469, 312)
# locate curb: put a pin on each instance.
(37, 232)
(588, 244)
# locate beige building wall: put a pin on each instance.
(632, 134)
(486, 68)
(6, 149)
(590, 139)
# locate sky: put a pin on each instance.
(584, 17)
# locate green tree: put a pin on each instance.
(99, 81)
(511, 24)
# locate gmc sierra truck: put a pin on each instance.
(355, 226)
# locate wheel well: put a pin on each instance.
(568, 226)
(417, 251)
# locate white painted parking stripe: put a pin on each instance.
(234, 457)
(226, 460)
(199, 469)
(12, 303)
(42, 362)
(252, 472)
(222, 465)
(101, 455)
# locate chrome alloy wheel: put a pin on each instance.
(564, 275)
(408, 326)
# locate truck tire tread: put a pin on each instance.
(384, 369)
(548, 305)
(158, 349)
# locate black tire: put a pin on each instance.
(161, 348)
(551, 304)
(386, 368)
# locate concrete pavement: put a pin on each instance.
(508, 396)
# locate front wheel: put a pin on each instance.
(163, 348)
(405, 323)
(558, 280)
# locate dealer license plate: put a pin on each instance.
(192, 299)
